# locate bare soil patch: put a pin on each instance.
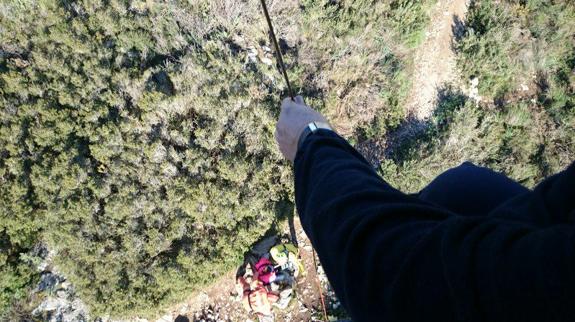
(435, 61)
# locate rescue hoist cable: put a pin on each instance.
(291, 94)
(277, 49)
(325, 318)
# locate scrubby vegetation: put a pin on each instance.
(523, 54)
(136, 136)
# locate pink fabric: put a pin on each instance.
(265, 270)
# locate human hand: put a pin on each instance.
(294, 117)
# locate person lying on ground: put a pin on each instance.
(255, 296)
(473, 245)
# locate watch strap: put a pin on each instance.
(310, 129)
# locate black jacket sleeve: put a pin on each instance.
(391, 257)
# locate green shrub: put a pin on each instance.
(528, 134)
(358, 56)
(512, 43)
(515, 141)
(136, 138)
(133, 149)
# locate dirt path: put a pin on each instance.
(434, 59)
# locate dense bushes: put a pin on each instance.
(136, 137)
(134, 148)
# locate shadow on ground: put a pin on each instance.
(407, 139)
(404, 142)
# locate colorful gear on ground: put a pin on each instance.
(286, 255)
(265, 269)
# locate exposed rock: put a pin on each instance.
(54, 309)
(50, 304)
(62, 294)
(267, 61)
(473, 91)
(524, 87)
(48, 282)
(60, 303)
(252, 54)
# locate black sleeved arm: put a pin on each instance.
(392, 257)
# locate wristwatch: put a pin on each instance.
(310, 129)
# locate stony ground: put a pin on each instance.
(220, 302)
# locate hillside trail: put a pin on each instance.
(435, 61)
